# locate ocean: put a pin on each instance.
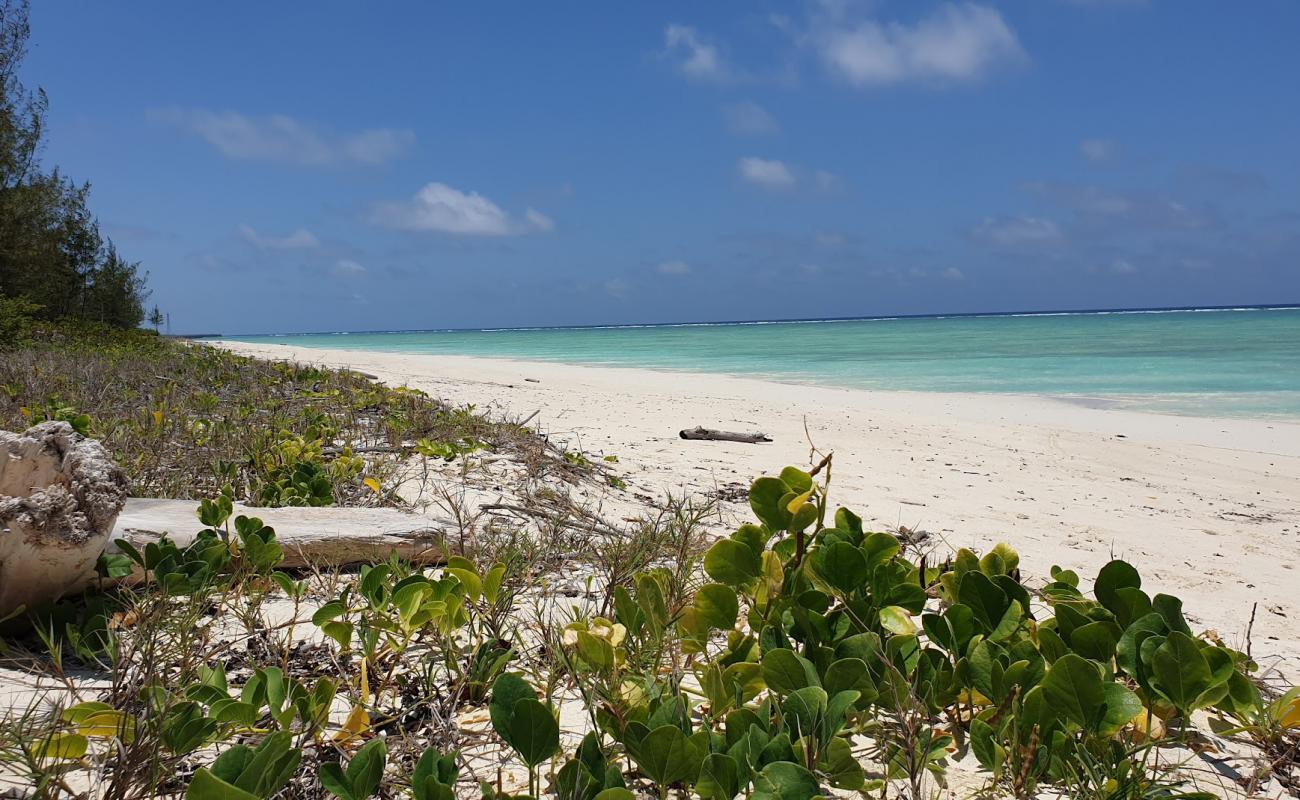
(1205, 362)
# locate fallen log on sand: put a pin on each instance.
(329, 536)
(707, 434)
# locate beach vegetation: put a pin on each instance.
(192, 421)
(801, 655)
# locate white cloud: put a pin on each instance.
(696, 57)
(1122, 266)
(1098, 150)
(674, 267)
(958, 42)
(770, 174)
(301, 239)
(750, 119)
(539, 221)
(279, 137)
(347, 268)
(440, 208)
(1017, 231)
(953, 274)
(810, 270)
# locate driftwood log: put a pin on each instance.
(708, 434)
(329, 536)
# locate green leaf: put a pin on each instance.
(1112, 577)
(506, 691)
(534, 733)
(842, 566)
(1122, 704)
(733, 563)
(840, 767)
(1128, 652)
(796, 479)
(986, 601)
(1096, 640)
(804, 709)
(717, 606)
(988, 751)
(667, 756)
(951, 630)
(765, 499)
(785, 780)
(1073, 688)
(206, 786)
(719, 777)
(849, 674)
(1179, 671)
(333, 780)
(366, 768)
(786, 672)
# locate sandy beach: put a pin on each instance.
(1205, 507)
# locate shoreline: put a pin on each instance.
(1133, 403)
(1064, 483)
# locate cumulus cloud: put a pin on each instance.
(958, 42)
(694, 55)
(750, 119)
(768, 173)
(1098, 150)
(279, 137)
(1017, 231)
(441, 208)
(300, 239)
(674, 267)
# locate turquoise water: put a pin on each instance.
(1242, 363)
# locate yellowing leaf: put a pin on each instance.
(373, 484)
(157, 419)
(1147, 726)
(897, 620)
(357, 723)
(797, 503)
(1288, 716)
(101, 720)
(364, 682)
(65, 746)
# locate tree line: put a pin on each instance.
(54, 262)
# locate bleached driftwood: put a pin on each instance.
(59, 496)
(321, 536)
(708, 434)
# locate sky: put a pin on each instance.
(322, 166)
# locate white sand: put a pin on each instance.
(1207, 509)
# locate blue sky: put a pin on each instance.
(342, 166)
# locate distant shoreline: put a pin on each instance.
(791, 321)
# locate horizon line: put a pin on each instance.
(784, 321)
